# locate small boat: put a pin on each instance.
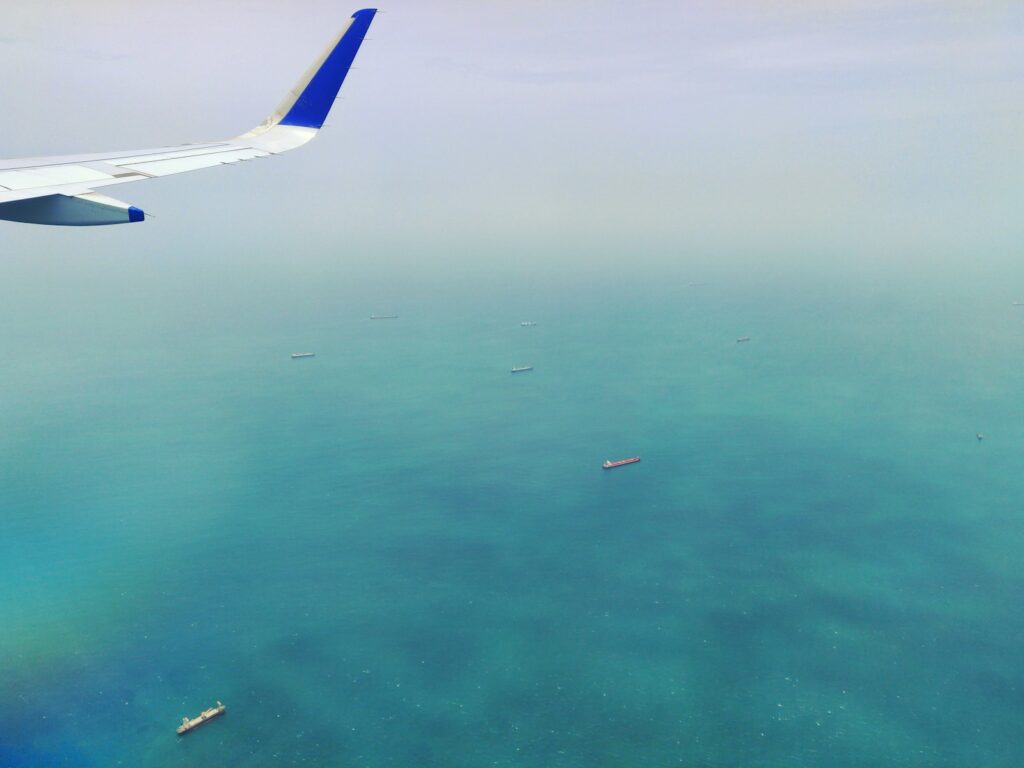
(609, 464)
(297, 355)
(383, 317)
(205, 716)
(980, 436)
(527, 323)
(522, 368)
(742, 339)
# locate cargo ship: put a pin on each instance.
(742, 338)
(204, 716)
(620, 463)
(521, 368)
(383, 317)
(297, 355)
(527, 323)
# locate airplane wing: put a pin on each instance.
(62, 190)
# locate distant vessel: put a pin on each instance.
(527, 323)
(383, 317)
(1018, 303)
(742, 338)
(980, 436)
(620, 463)
(207, 714)
(296, 355)
(521, 368)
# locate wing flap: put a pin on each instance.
(49, 176)
(171, 153)
(193, 163)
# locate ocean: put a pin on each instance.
(399, 554)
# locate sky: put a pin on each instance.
(857, 128)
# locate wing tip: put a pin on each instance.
(313, 100)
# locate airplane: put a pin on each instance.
(62, 190)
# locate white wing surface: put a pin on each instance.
(62, 190)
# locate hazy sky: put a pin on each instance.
(878, 127)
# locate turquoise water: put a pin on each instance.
(396, 553)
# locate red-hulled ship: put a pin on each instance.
(620, 462)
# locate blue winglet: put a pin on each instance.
(311, 108)
(135, 214)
